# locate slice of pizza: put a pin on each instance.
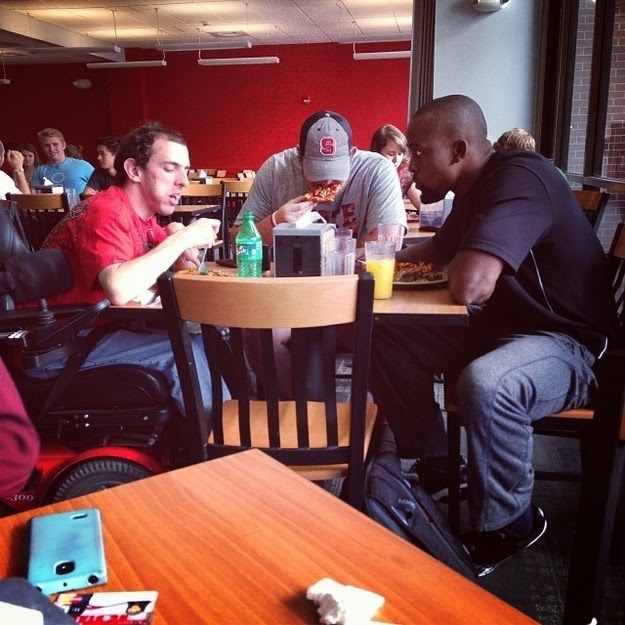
(321, 194)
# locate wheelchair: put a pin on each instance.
(98, 427)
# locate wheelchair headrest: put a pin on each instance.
(11, 243)
(31, 276)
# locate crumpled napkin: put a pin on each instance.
(339, 604)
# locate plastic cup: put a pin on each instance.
(391, 232)
(340, 256)
(380, 261)
(344, 233)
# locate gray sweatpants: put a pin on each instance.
(503, 384)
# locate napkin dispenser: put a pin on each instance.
(300, 250)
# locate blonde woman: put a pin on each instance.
(390, 142)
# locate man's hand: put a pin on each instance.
(15, 159)
(203, 233)
(293, 210)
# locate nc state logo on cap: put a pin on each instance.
(327, 146)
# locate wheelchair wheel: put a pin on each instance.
(96, 475)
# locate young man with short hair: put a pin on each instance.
(70, 173)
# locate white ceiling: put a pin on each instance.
(144, 23)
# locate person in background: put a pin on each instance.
(390, 142)
(18, 183)
(31, 160)
(525, 261)
(73, 151)
(515, 139)
(116, 250)
(370, 193)
(71, 173)
(102, 178)
(19, 442)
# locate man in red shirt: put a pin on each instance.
(116, 248)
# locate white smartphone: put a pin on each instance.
(66, 551)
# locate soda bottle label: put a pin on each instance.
(250, 251)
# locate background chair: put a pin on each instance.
(39, 213)
(593, 202)
(201, 194)
(236, 194)
(601, 429)
(315, 434)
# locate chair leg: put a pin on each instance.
(598, 500)
(454, 459)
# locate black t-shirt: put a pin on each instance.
(100, 180)
(521, 210)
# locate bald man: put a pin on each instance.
(524, 259)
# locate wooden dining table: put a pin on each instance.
(186, 213)
(407, 306)
(239, 539)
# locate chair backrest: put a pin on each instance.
(201, 194)
(312, 308)
(593, 202)
(236, 194)
(39, 213)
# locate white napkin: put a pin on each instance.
(10, 613)
(309, 218)
(343, 605)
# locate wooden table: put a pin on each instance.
(186, 213)
(420, 307)
(239, 539)
(414, 235)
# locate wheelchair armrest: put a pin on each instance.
(37, 358)
(64, 331)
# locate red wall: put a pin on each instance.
(233, 117)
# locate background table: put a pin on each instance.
(239, 539)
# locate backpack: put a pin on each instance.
(407, 509)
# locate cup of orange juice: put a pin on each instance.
(380, 261)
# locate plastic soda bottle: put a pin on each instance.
(249, 246)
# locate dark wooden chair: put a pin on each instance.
(236, 194)
(601, 429)
(593, 202)
(39, 213)
(315, 434)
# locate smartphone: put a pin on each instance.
(66, 551)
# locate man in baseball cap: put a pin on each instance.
(369, 195)
(368, 186)
(326, 147)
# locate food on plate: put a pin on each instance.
(321, 194)
(207, 272)
(417, 272)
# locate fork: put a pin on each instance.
(202, 270)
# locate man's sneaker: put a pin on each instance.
(489, 549)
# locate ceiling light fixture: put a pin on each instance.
(76, 49)
(131, 64)
(127, 64)
(375, 38)
(242, 60)
(389, 54)
(489, 6)
(218, 45)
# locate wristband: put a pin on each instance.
(273, 219)
(16, 170)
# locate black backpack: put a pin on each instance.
(406, 508)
